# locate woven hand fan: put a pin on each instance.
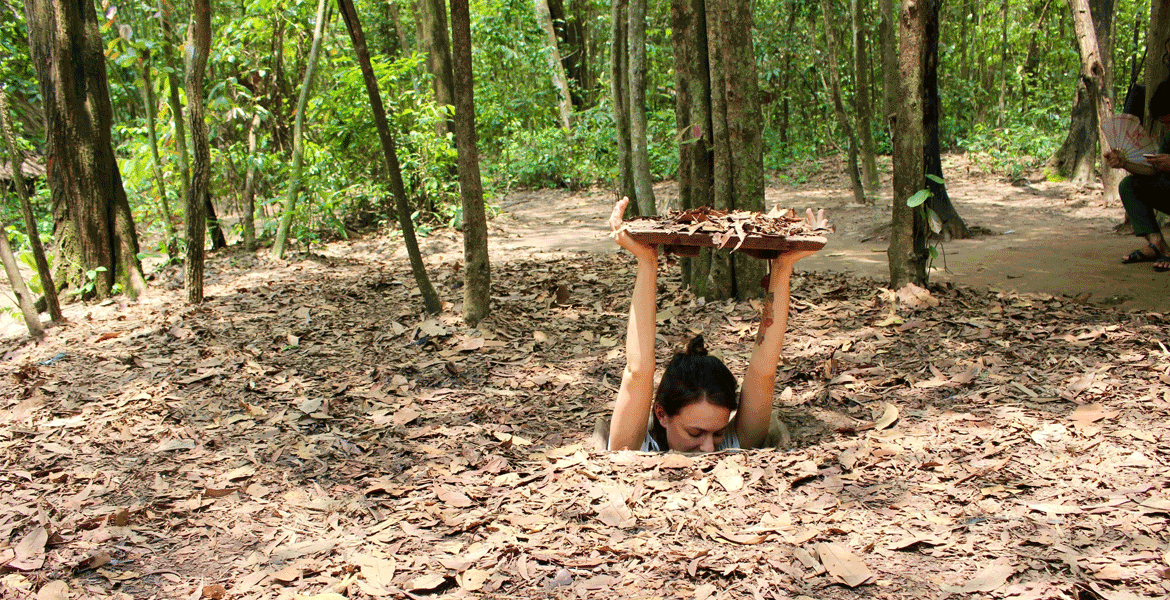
(1125, 133)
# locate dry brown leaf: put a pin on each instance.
(30, 550)
(888, 417)
(729, 474)
(379, 571)
(1087, 414)
(843, 565)
(54, 590)
(1055, 509)
(743, 539)
(991, 578)
(705, 591)
(426, 582)
(453, 498)
(472, 580)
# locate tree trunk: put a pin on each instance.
(164, 203)
(93, 225)
(353, 25)
(620, 94)
(721, 275)
(180, 129)
(907, 250)
(862, 107)
(32, 319)
(690, 31)
(436, 47)
(939, 201)
(16, 161)
(294, 184)
(555, 66)
(1003, 69)
(1157, 70)
(889, 42)
(639, 153)
(249, 210)
(833, 87)
(1094, 77)
(199, 47)
(477, 274)
(576, 56)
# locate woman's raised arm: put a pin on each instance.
(755, 406)
(631, 412)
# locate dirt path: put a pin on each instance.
(1041, 237)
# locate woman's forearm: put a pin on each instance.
(632, 408)
(755, 411)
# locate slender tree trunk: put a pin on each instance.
(681, 25)
(699, 132)
(940, 202)
(721, 274)
(249, 201)
(889, 44)
(294, 184)
(620, 93)
(639, 153)
(94, 228)
(477, 274)
(862, 106)
(199, 44)
(833, 87)
(23, 297)
(436, 47)
(164, 203)
(180, 129)
(1003, 68)
(555, 66)
(353, 25)
(907, 250)
(16, 162)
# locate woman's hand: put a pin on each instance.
(1116, 159)
(1160, 162)
(813, 220)
(624, 239)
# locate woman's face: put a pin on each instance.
(698, 427)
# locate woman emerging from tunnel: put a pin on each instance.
(696, 408)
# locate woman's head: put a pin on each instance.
(694, 401)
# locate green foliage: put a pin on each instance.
(16, 69)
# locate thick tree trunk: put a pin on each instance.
(249, 210)
(164, 203)
(15, 161)
(353, 25)
(862, 106)
(639, 152)
(888, 32)
(94, 227)
(721, 275)
(833, 87)
(477, 274)
(1094, 76)
(940, 202)
(1157, 70)
(555, 66)
(436, 47)
(907, 250)
(1075, 158)
(199, 45)
(294, 184)
(696, 139)
(620, 95)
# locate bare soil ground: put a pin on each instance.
(307, 433)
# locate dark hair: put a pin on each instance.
(691, 377)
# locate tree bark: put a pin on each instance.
(939, 201)
(93, 224)
(620, 94)
(888, 31)
(639, 153)
(164, 203)
(833, 87)
(1094, 77)
(15, 161)
(436, 47)
(397, 187)
(907, 250)
(199, 45)
(294, 184)
(32, 319)
(1157, 70)
(180, 129)
(249, 210)
(477, 274)
(689, 27)
(555, 65)
(862, 106)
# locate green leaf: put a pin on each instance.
(918, 198)
(935, 178)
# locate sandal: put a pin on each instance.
(1137, 256)
(1162, 264)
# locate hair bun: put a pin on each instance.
(696, 347)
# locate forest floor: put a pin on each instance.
(308, 433)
